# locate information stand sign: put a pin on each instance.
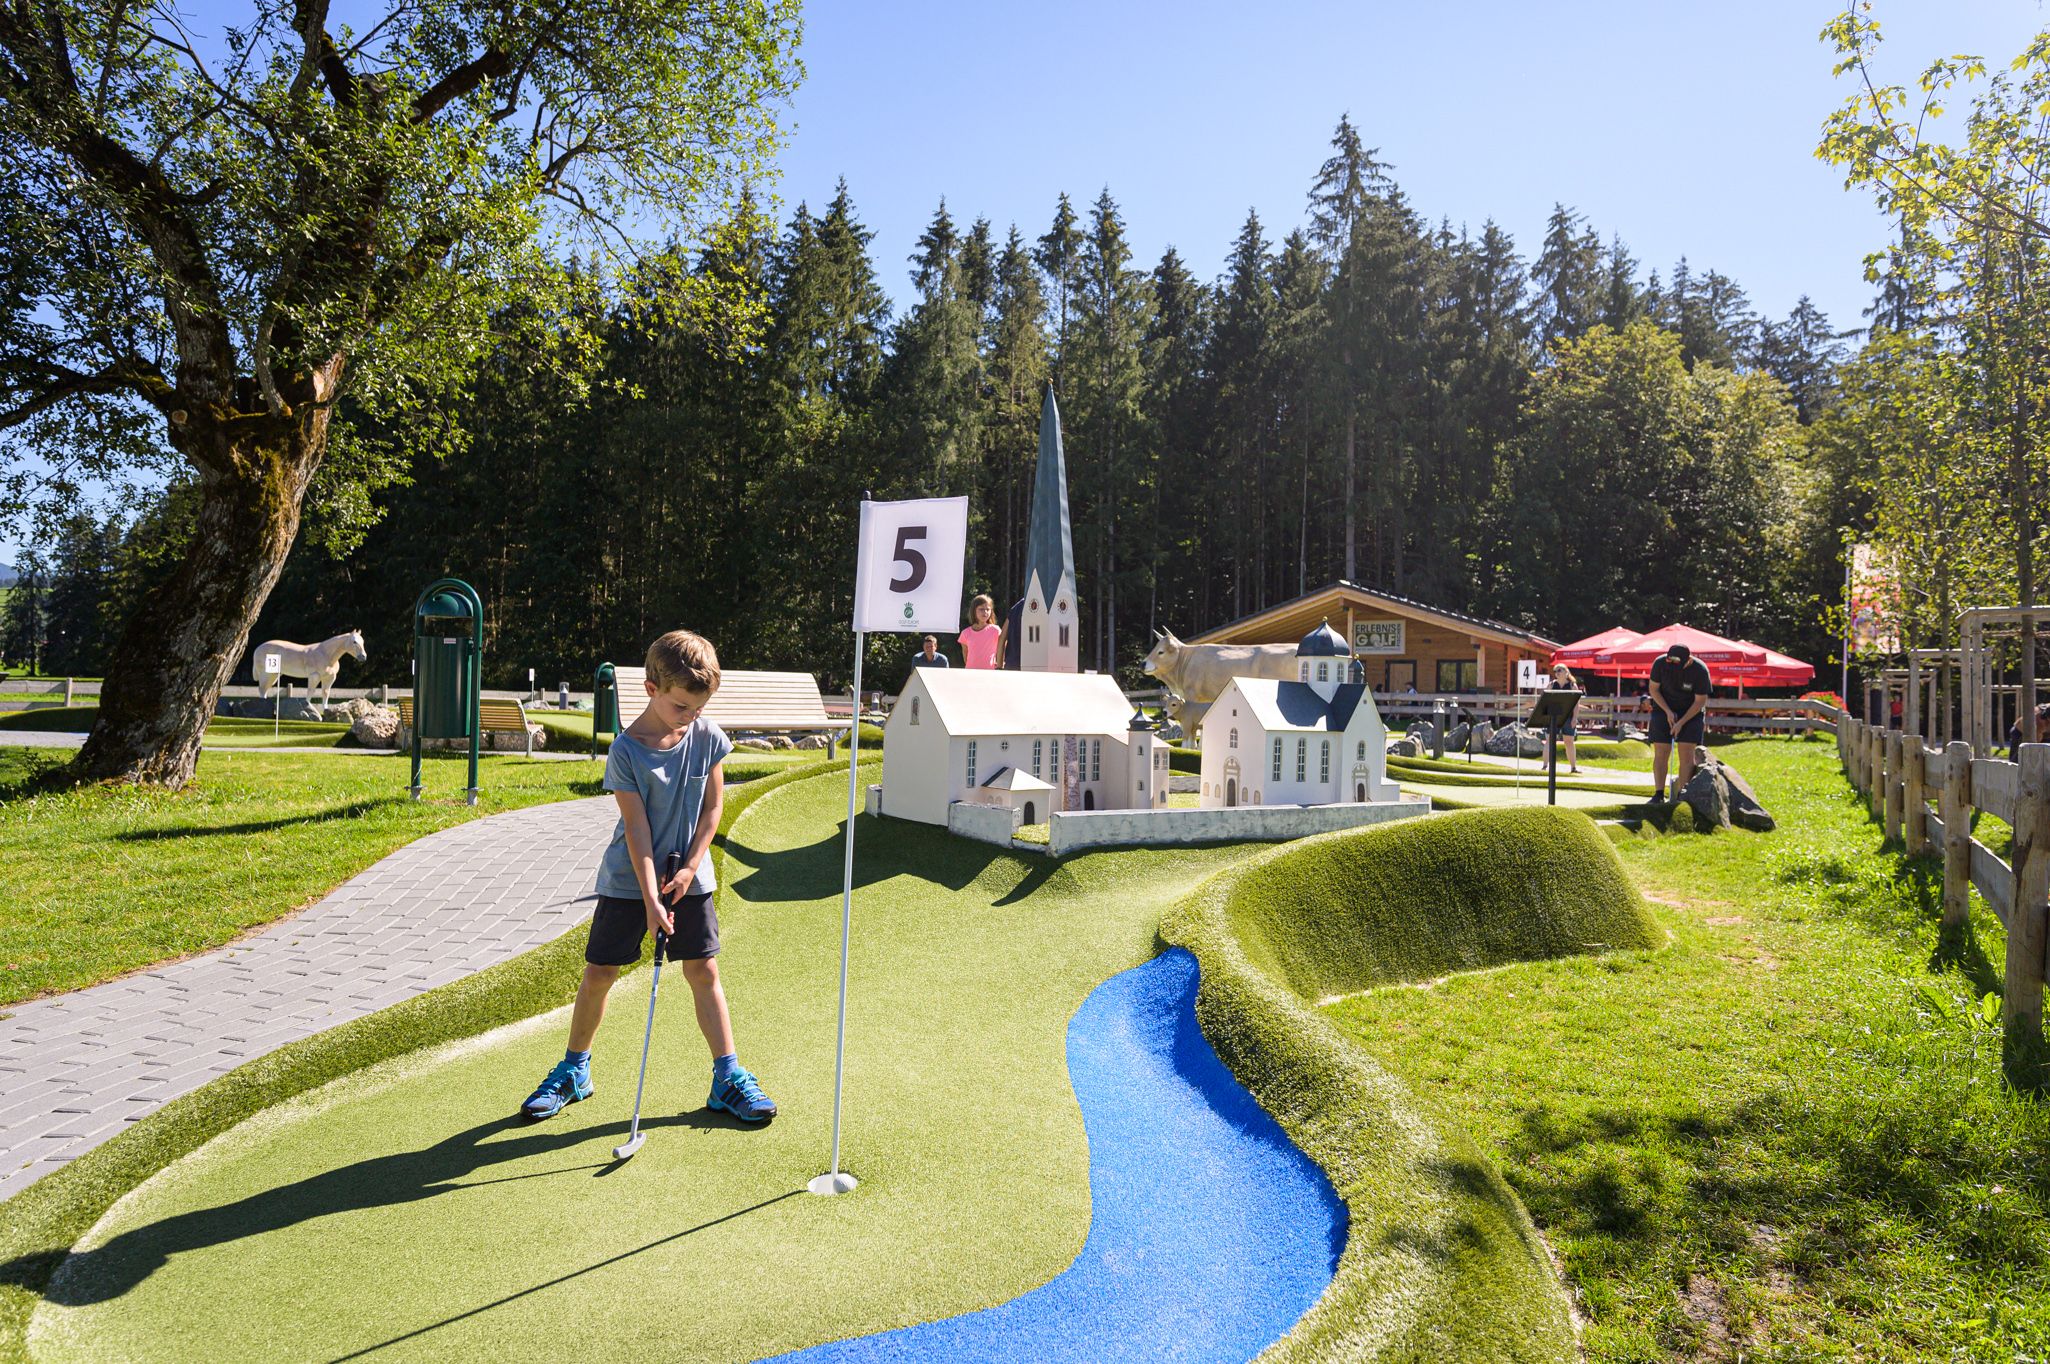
(1553, 712)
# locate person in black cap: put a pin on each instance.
(1679, 694)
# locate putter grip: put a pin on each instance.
(671, 865)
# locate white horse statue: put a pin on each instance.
(317, 663)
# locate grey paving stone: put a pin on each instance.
(88, 1063)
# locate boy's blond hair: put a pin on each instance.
(683, 659)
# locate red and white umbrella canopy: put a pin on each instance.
(1581, 652)
(1778, 670)
(1633, 658)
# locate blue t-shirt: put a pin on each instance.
(671, 784)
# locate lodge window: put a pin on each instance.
(1454, 675)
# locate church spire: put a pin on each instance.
(1051, 638)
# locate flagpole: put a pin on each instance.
(836, 1181)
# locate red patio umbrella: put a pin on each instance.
(1580, 653)
(1778, 670)
(1633, 658)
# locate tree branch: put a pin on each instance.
(484, 66)
(123, 376)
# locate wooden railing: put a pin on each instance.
(1899, 775)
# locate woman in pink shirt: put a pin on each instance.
(982, 643)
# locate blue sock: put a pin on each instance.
(580, 1059)
(723, 1066)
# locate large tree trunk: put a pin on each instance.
(184, 642)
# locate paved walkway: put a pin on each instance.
(77, 1068)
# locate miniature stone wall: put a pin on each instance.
(1075, 830)
(985, 823)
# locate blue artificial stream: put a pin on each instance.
(1210, 1233)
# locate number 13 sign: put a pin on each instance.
(908, 575)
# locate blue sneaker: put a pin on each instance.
(740, 1094)
(565, 1085)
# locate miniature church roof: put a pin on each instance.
(1011, 779)
(1295, 706)
(1323, 642)
(970, 702)
(1049, 546)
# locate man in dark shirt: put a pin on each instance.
(1679, 694)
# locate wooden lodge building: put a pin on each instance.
(1400, 643)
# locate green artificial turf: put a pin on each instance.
(1441, 1263)
(223, 731)
(1461, 774)
(1784, 1138)
(407, 1208)
(1531, 795)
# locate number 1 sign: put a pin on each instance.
(908, 575)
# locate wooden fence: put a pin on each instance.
(1899, 776)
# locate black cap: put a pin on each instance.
(1681, 652)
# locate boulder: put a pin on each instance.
(1707, 794)
(1423, 733)
(1633, 732)
(354, 709)
(1746, 812)
(1405, 748)
(1516, 741)
(782, 741)
(1482, 735)
(818, 741)
(376, 727)
(1456, 737)
(754, 745)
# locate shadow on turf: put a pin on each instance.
(108, 1271)
(416, 1333)
(352, 810)
(884, 848)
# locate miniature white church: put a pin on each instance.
(1038, 737)
(1318, 740)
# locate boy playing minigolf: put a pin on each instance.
(664, 770)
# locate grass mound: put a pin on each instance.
(1430, 897)
(1442, 1262)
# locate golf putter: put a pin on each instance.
(624, 1151)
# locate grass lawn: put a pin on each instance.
(569, 731)
(1531, 795)
(98, 881)
(1784, 1137)
(221, 731)
(407, 1207)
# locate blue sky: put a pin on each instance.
(1686, 129)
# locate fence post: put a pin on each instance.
(1915, 829)
(1877, 791)
(1957, 832)
(1865, 772)
(1855, 761)
(2030, 857)
(69, 684)
(1896, 782)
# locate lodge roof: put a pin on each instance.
(1332, 599)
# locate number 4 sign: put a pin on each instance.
(908, 574)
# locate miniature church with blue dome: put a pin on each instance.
(1317, 740)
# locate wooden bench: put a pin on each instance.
(778, 702)
(505, 717)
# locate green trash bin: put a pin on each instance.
(448, 658)
(604, 704)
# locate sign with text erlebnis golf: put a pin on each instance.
(908, 575)
(1377, 636)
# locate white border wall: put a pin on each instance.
(985, 823)
(1075, 830)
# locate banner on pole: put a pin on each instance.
(1873, 587)
(908, 574)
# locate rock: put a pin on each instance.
(815, 741)
(1745, 810)
(1405, 748)
(754, 745)
(1481, 736)
(354, 709)
(1516, 741)
(376, 728)
(1423, 733)
(1456, 737)
(1707, 794)
(782, 741)
(1632, 732)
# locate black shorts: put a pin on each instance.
(1695, 731)
(619, 926)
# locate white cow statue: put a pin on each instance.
(318, 663)
(1195, 674)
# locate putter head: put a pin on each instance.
(626, 1149)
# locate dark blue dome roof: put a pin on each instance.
(1323, 642)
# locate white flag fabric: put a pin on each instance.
(908, 575)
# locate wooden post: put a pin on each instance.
(1957, 832)
(2030, 858)
(1877, 793)
(69, 684)
(1915, 828)
(1896, 783)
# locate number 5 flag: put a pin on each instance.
(908, 575)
